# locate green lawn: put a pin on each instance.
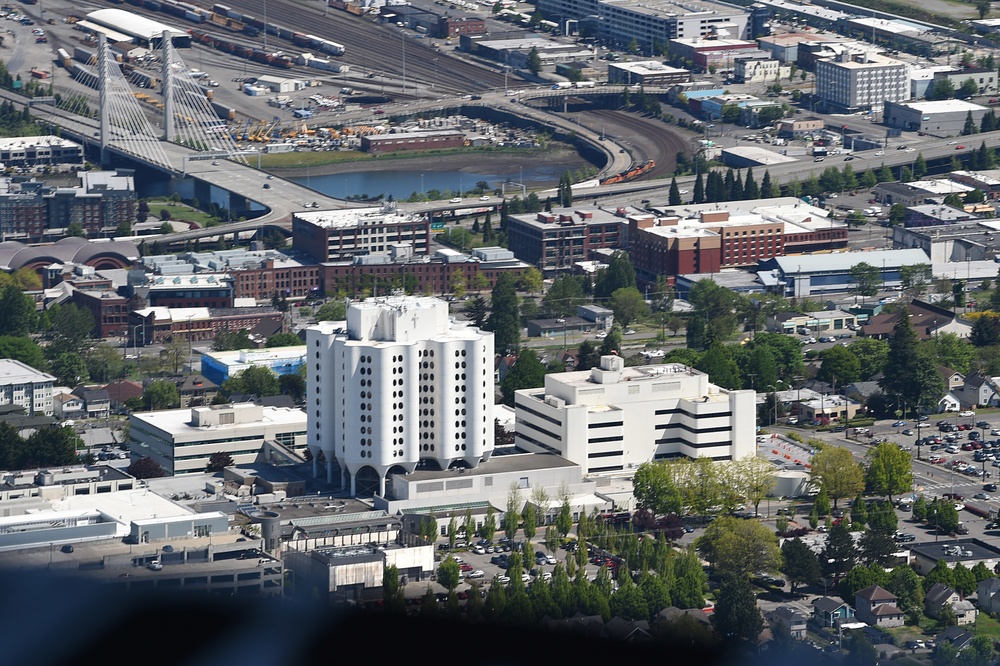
(317, 158)
(181, 212)
(987, 626)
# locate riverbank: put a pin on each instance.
(508, 163)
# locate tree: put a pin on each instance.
(964, 580)
(860, 649)
(71, 325)
(654, 488)
(283, 340)
(161, 394)
(889, 470)
(695, 332)
(504, 319)
(75, 229)
(332, 311)
(232, 340)
(449, 574)
(531, 281)
(218, 461)
(905, 583)
(293, 385)
(256, 380)
(489, 528)
(69, 369)
(736, 613)
(564, 520)
(836, 471)
(839, 366)
(620, 274)
(534, 61)
(799, 563)
(839, 555)
(26, 350)
(907, 374)
(872, 355)
(983, 7)
(951, 351)
(477, 310)
(755, 479)
(628, 305)
(914, 278)
(866, 278)
(512, 516)
(979, 652)
(529, 524)
(612, 344)
(942, 88)
(145, 468)
(527, 372)
(739, 546)
(674, 197)
(393, 598)
(720, 367)
(563, 297)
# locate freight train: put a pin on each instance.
(229, 19)
(631, 174)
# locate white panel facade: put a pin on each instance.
(398, 383)
(613, 418)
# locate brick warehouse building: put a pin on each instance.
(158, 324)
(395, 143)
(705, 238)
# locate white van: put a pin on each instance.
(952, 450)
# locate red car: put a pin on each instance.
(465, 567)
(959, 147)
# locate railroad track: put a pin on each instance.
(646, 138)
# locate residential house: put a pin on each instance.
(878, 607)
(66, 406)
(671, 613)
(958, 637)
(831, 612)
(978, 389)
(97, 402)
(941, 595)
(196, 391)
(988, 595)
(621, 630)
(121, 390)
(953, 380)
(18, 418)
(791, 618)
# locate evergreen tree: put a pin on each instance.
(869, 179)
(696, 332)
(970, 125)
(989, 121)
(675, 193)
(839, 555)
(919, 166)
(728, 183)
(718, 364)
(699, 190)
(736, 613)
(769, 189)
(885, 175)
(504, 319)
(849, 178)
(736, 193)
(750, 189)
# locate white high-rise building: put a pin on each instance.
(396, 384)
(611, 418)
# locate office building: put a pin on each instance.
(49, 150)
(149, 326)
(704, 238)
(22, 385)
(612, 419)
(191, 290)
(554, 241)
(332, 235)
(396, 385)
(856, 82)
(719, 53)
(182, 441)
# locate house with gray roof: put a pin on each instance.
(941, 595)
(830, 612)
(988, 595)
(878, 607)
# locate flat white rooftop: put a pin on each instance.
(943, 106)
(354, 217)
(15, 372)
(14, 142)
(178, 421)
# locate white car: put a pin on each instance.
(629, 331)
(966, 413)
(601, 335)
(478, 573)
(455, 200)
(879, 153)
(485, 197)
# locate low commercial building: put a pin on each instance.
(612, 418)
(355, 573)
(219, 366)
(135, 28)
(22, 385)
(456, 26)
(970, 552)
(181, 441)
(759, 69)
(335, 235)
(189, 290)
(646, 73)
(817, 274)
(149, 326)
(48, 150)
(916, 193)
(378, 144)
(827, 409)
(797, 128)
(811, 322)
(946, 117)
(703, 53)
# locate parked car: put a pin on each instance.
(967, 413)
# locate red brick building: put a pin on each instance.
(451, 26)
(712, 239)
(294, 281)
(424, 277)
(158, 324)
(335, 235)
(110, 310)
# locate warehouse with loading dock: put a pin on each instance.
(116, 23)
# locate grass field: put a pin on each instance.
(181, 212)
(319, 158)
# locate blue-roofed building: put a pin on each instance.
(817, 274)
(220, 366)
